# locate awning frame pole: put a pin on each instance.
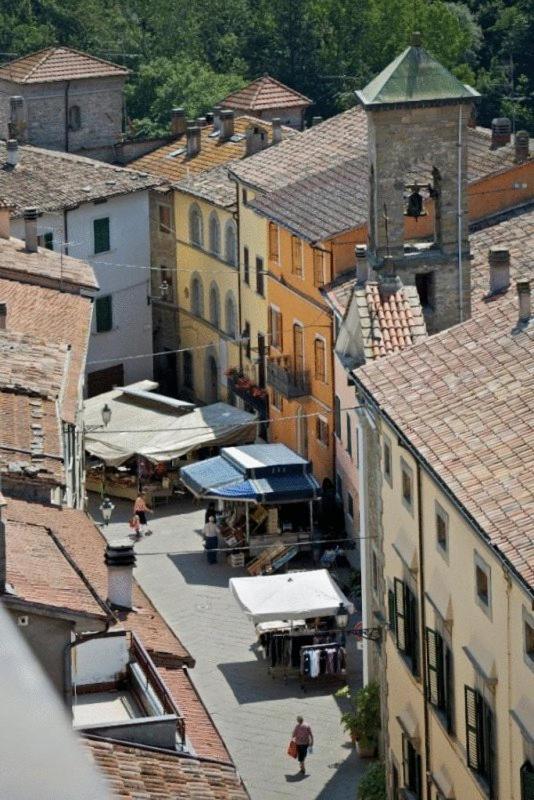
(247, 522)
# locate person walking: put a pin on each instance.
(210, 512)
(211, 540)
(141, 509)
(303, 738)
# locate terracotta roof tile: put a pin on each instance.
(138, 773)
(38, 572)
(465, 400)
(45, 266)
(265, 94)
(59, 64)
(53, 180)
(172, 162)
(315, 184)
(57, 317)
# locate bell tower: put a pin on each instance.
(417, 114)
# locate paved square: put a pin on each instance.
(254, 713)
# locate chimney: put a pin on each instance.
(12, 152)
(30, 229)
(522, 144)
(523, 295)
(472, 121)
(217, 118)
(388, 280)
(5, 220)
(193, 140)
(276, 122)
(499, 264)
(501, 132)
(227, 124)
(120, 561)
(178, 122)
(3, 316)
(362, 265)
(316, 121)
(256, 140)
(202, 122)
(3, 567)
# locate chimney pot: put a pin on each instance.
(362, 265)
(501, 132)
(522, 146)
(12, 152)
(202, 122)
(3, 316)
(316, 120)
(227, 124)
(499, 266)
(209, 117)
(523, 295)
(276, 122)
(193, 140)
(5, 221)
(120, 560)
(178, 122)
(217, 118)
(17, 121)
(388, 280)
(255, 139)
(30, 229)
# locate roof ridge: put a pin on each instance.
(46, 55)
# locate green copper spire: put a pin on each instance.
(414, 78)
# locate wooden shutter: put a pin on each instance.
(101, 234)
(246, 265)
(400, 618)
(318, 267)
(405, 760)
(472, 730)
(527, 781)
(411, 628)
(488, 754)
(273, 241)
(391, 609)
(296, 255)
(104, 314)
(448, 688)
(433, 666)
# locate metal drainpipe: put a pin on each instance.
(67, 87)
(423, 629)
(239, 311)
(65, 232)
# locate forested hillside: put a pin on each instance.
(193, 52)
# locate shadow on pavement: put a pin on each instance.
(195, 569)
(347, 773)
(297, 778)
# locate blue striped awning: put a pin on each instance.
(205, 476)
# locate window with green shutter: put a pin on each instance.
(439, 683)
(104, 313)
(527, 781)
(480, 737)
(101, 234)
(406, 625)
(411, 768)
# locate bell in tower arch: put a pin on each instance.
(415, 207)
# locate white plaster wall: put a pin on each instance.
(99, 660)
(123, 272)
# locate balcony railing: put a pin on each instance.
(286, 379)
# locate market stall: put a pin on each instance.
(150, 436)
(299, 618)
(265, 494)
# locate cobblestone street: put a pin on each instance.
(254, 713)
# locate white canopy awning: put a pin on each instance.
(290, 596)
(159, 428)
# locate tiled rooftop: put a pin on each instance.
(214, 186)
(52, 180)
(59, 64)
(45, 267)
(315, 184)
(84, 544)
(464, 398)
(213, 152)
(39, 573)
(31, 366)
(137, 773)
(59, 318)
(264, 94)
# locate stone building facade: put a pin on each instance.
(62, 100)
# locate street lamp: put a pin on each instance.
(107, 509)
(342, 616)
(106, 415)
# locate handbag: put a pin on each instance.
(292, 749)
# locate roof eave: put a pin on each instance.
(373, 105)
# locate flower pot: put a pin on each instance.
(365, 749)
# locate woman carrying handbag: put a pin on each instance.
(301, 740)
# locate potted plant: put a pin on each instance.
(373, 784)
(362, 719)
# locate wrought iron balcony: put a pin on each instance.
(286, 379)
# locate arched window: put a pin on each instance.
(75, 118)
(215, 234)
(215, 305)
(196, 234)
(230, 244)
(197, 296)
(231, 316)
